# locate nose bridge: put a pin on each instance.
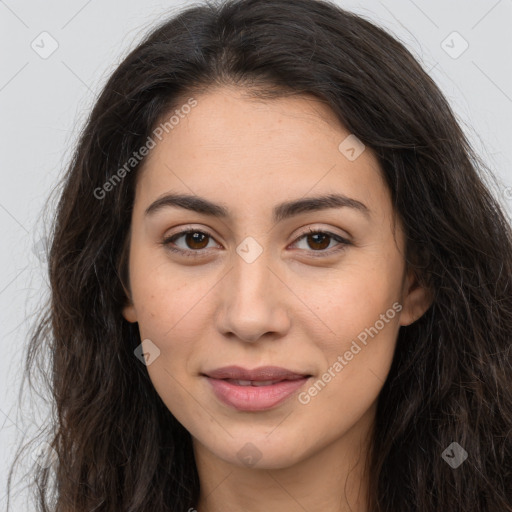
(250, 299)
(251, 277)
(251, 271)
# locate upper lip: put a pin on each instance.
(262, 373)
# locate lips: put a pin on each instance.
(254, 390)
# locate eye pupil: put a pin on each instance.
(322, 235)
(192, 238)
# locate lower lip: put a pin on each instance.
(255, 398)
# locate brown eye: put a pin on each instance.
(195, 242)
(196, 239)
(319, 241)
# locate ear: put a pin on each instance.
(416, 299)
(129, 313)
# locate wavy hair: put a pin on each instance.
(118, 447)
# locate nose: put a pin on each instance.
(253, 302)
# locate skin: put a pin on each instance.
(287, 308)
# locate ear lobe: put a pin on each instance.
(416, 300)
(129, 313)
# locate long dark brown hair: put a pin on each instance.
(118, 447)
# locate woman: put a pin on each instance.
(278, 280)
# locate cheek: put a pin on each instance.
(173, 321)
(167, 312)
(165, 297)
(361, 313)
(174, 311)
(356, 364)
(352, 300)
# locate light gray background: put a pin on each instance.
(44, 101)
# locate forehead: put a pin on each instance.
(246, 151)
(229, 119)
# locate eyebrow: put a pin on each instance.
(281, 212)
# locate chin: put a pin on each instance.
(260, 452)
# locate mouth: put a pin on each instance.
(256, 383)
(254, 390)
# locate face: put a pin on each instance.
(319, 291)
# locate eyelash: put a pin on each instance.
(198, 253)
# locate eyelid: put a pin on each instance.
(319, 229)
